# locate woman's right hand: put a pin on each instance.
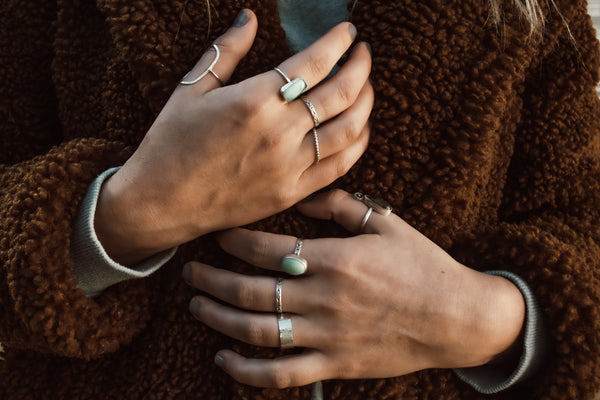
(219, 157)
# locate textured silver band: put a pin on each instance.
(286, 338)
(313, 111)
(298, 247)
(278, 307)
(317, 152)
(208, 70)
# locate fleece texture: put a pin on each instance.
(484, 139)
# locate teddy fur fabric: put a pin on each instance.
(485, 139)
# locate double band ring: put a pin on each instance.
(315, 117)
(292, 89)
(207, 71)
(293, 264)
(286, 338)
(380, 206)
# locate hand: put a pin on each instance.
(219, 157)
(377, 305)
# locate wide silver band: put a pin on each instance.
(278, 307)
(365, 219)
(207, 71)
(286, 338)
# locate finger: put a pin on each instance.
(338, 93)
(282, 372)
(266, 250)
(343, 208)
(254, 293)
(329, 169)
(233, 46)
(258, 329)
(316, 62)
(344, 130)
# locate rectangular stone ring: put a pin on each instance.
(286, 339)
(293, 88)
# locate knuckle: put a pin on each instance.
(258, 248)
(279, 379)
(243, 295)
(351, 130)
(318, 63)
(253, 334)
(345, 92)
(282, 198)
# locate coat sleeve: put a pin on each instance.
(42, 180)
(549, 222)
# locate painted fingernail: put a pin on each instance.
(353, 31)
(194, 307)
(369, 48)
(220, 361)
(186, 273)
(241, 19)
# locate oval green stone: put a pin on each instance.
(294, 265)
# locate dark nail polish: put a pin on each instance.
(353, 31)
(241, 18)
(219, 361)
(186, 273)
(369, 48)
(194, 307)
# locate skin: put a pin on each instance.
(195, 170)
(384, 303)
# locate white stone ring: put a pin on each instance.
(292, 89)
(293, 264)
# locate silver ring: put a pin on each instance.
(208, 70)
(317, 153)
(380, 206)
(293, 88)
(365, 219)
(286, 338)
(278, 307)
(292, 263)
(313, 111)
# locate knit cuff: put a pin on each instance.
(94, 269)
(489, 379)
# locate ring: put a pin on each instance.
(317, 153)
(286, 339)
(292, 88)
(278, 307)
(365, 219)
(208, 70)
(293, 264)
(313, 111)
(380, 206)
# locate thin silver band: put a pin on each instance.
(278, 307)
(298, 247)
(365, 219)
(313, 111)
(208, 70)
(286, 338)
(288, 80)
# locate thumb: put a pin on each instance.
(233, 45)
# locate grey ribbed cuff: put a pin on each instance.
(94, 269)
(490, 379)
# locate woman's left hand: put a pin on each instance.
(380, 304)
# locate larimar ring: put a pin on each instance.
(207, 71)
(286, 338)
(292, 89)
(293, 264)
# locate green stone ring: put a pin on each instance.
(293, 264)
(293, 88)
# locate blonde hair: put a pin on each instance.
(530, 10)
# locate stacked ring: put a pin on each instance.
(315, 116)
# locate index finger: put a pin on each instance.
(314, 63)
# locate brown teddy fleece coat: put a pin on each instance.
(485, 140)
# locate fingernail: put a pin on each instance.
(220, 361)
(353, 31)
(241, 18)
(369, 48)
(186, 273)
(194, 307)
